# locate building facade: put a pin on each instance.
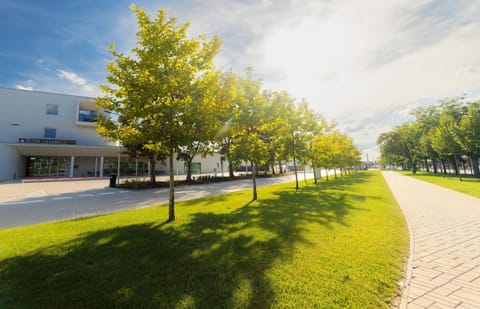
(53, 135)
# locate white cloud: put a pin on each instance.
(75, 79)
(363, 63)
(29, 88)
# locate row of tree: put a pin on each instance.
(448, 132)
(169, 100)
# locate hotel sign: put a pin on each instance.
(49, 141)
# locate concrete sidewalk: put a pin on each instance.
(444, 266)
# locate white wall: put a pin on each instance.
(208, 164)
(11, 164)
(24, 114)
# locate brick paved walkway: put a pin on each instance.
(444, 267)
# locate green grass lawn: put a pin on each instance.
(467, 185)
(338, 245)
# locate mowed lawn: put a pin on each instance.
(467, 185)
(340, 244)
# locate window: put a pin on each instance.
(87, 116)
(196, 167)
(50, 133)
(52, 109)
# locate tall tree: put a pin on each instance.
(203, 121)
(224, 137)
(249, 125)
(468, 136)
(402, 144)
(155, 87)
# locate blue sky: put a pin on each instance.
(366, 64)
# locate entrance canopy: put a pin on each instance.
(67, 150)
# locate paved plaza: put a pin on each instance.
(444, 266)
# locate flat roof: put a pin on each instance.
(46, 92)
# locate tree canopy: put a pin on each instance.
(168, 99)
(448, 132)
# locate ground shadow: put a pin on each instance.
(211, 260)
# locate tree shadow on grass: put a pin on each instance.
(211, 260)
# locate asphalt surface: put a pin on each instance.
(38, 202)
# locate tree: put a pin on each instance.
(224, 137)
(402, 145)
(468, 135)
(443, 139)
(248, 126)
(156, 87)
(427, 119)
(203, 121)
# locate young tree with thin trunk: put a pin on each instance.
(155, 87)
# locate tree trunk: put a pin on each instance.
(152, 162)
(455, 167)
(314, 173)
(335, 172)
(326, 172)
(414, 168)
(171, 184)
(230, 170)
(476, 169)
(427, 168)
(434, 163)
(273, 167)
(189, 169)
(254, 181)
(444, 167)
(280, 167)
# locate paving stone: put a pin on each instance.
(445, 228)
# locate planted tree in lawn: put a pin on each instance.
(155, 87)
(324, 150)
(227, 94)
(444, 139)
(311, 125)
(468, 136)
(427, 119)
(402, 145)
(248, 126)
(203, 121)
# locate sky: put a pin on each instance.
(364, 64)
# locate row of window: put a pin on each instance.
(83, 115)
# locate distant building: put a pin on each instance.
(53, 135)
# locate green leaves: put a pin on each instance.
(448, 130)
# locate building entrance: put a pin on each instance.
(46, 166)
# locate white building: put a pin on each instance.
(53, 135)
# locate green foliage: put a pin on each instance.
(445, 131)
(167, 99)
(163, 93)
(335, 149)
(340, 244)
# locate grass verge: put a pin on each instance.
(468, 185)
(336, 245)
